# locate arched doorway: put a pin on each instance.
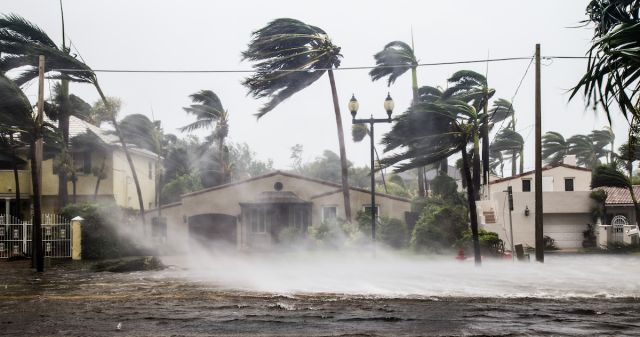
(618, 223)
(211, 229)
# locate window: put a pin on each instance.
(367, 210)
(526, 185)
(329, 213)
(568, 184)
(82, 162)
(258, 221)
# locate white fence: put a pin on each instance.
(16, 236)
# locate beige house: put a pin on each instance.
(619, 222)
(251, 213)
(566, 206)
(117, 186)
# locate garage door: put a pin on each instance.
(566, 229)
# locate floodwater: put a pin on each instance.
(333, 294)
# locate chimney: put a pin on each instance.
(570, 159)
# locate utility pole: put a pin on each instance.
(37, 167)
(539, 230)
(510, 197)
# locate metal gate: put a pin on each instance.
(618, 223)
(16, 236)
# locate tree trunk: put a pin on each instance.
(16, 177)
(636, 207)
(36, 247)
(473, 213)
(384, 183)
(343, 152)
(484, 129)
(476, 163)
(514, 163)
(444, 167)
(422, 191)
(522, 159)
(126, 152)
(63, 124)
(100, 173)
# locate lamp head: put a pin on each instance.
(353, 106)
(388, 105)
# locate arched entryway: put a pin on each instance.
(211, 228)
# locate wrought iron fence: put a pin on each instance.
(16, 236)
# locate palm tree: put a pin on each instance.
(472, 88)
(209, 112)
(502, 109)
(554, 147)
(290, 56)
(614, 57)
(608, 175)
(511, 142)
(587, 152)
(629, 155)
(602, 139)
(429, 132)
(23, 42)
(392, 62)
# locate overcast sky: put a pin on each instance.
(212, 34)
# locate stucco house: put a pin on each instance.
(251, 213)
(619, 222)
(117, 186)
(567, 206)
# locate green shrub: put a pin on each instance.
(440, 226)
(490, 242)
(100, 239)
(390, 231)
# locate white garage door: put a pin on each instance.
(565, 229)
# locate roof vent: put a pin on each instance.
(278, 186)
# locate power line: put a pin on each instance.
(213, 71)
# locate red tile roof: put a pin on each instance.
(620, 196)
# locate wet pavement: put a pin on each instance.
(69, 300)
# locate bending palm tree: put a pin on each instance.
(471, 87)
(290, 56)
(608, 175)
(23, 42)
(208, 110)
(587, 152)
(510, 142)
(602, 139)
(554, 147)
(503, 109)
(428, 132)
(392, 62)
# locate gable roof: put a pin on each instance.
(619, 195)
(545, 168)
(296, 176)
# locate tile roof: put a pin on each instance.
(620, 196)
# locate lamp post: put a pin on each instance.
(353, 108)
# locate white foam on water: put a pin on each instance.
(392, 274)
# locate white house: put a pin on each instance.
(567, 206)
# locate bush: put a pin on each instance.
(390, 231)
(490, 242)
(100, 239)
(440, 226)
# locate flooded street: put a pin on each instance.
(69, 300)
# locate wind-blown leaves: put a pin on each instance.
(394, 60)
(554, 147)
(290, 56)
(606, 175)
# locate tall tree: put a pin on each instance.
(587, 151)
(602, 139)
(511, 142)
(608, 175)
(554, 147)
(428, 132)
(502, 109)
(23, 42)
(392, 62)
(209, 113)
(290, 56)
(471, 87)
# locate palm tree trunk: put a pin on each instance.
(100, 173)
(422, 192)
(484, 129)
(126, 152)
(343, 152)
(36, 247)
(16, 177)
(522, 159)
(476, 164)
(472, 208)
(384, 183)
(63, 124)
(514, 163)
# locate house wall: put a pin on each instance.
(177, 239)
(123, 186)
(581, 182)
(388, 207)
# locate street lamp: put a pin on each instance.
(353, 108)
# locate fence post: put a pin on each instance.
(76, 238)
